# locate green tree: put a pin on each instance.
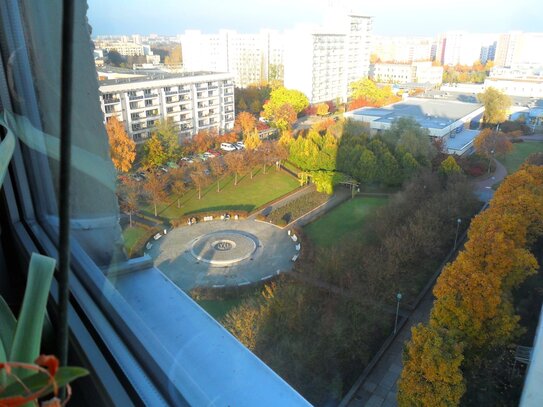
(368, 90)
(406, 134)
(276, 109)
(496, 105)
(153, 153)
(165, 130)
(366, 170)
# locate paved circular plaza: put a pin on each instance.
(223, 253)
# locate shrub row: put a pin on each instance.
(226, 293)
(285, 214)
(199, 217)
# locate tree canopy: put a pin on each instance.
(496, 104)
(122, 147)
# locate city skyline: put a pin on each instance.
(391, 17)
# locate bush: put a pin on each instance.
(285, 214)
(183, 220)
(514, 126)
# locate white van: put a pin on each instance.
(227, 147)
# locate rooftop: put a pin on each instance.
(429, 113)
(461, 140)
(148, 75)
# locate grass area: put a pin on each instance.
(247, 195)
(219, 308)
(288, 165)
(521, 151)
(342, 221)
(134, 236)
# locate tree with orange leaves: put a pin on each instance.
(490, 143)
(245, 123)
(122, 147)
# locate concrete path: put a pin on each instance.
(380, 387)
(483, 187)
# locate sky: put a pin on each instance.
(391, 17)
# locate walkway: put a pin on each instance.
(483, 188)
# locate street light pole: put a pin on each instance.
(458, 222)
(398, 297)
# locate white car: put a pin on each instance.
(207, 154)
(239, 145)
(227, 147)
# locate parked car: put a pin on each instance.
(163, 168)
(228, 147)
(207, 154)
(239, 145)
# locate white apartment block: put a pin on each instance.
(463, 48)
(416, 72)
(192, 101)
(123, 48)
(322, 62)
(251, 58)
(517, 48)
(402, 49)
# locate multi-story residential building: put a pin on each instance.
(517, 48)
(460, 47)
(322, 62)
(402, 49)
(123, 48)
(416, 72)
(192, 101)
(251, 58)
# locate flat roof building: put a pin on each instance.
(192, 101)
(444, 119)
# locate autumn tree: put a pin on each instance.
(175, 57)
(322, 109)
(122, 147)
(178, 185)
(245, 123)
(368, 91)
(236, 164)
(406, 134)
(490, 143)
(449, 166)
(200, 177)
(243, 321)
(284, 117)
(129, 194)
(282, 105)
(155, 188)
(252, 141)
(217, 167)
(496, 104)
(153, 153)
(202, 141)
(432, 373)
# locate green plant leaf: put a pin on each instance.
(6, 151)
(27, 338)
(7, 329)
(37, 381)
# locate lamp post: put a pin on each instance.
(458, 222)
(398, 297)
(490, 160)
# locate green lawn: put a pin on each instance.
(219, 308)
(133, 235)
(247, 195)
(343, 220)
(521, 151)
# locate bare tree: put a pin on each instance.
(217, 167)
(236, 164)
(155, 188)
(200, 177)
(129, 195)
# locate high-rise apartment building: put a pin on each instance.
(322, 62)
(192, 101)
(462, 48)
(517, 48)
(402, 49)
(251, 58)
(416, 72)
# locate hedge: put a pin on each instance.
(285, 214)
